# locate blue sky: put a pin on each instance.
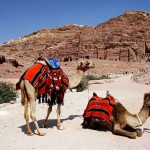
(22, 17)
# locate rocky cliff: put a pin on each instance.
(124, 38)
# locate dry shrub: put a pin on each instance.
(7, 92)
(84, 82)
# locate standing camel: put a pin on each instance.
(122, 122)
(29, 91)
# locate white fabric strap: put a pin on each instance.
(140, 122)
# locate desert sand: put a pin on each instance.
(13, 127)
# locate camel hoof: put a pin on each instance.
(60, 127)
(30, 134)
(133, 135)
(42, 134)
(139, 132)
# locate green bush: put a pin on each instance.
(82, 85)
(7, 92)
(92, 77)
(84, 82)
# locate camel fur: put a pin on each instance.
(28, 96)
(122, 122)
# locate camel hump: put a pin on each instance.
(119, 109)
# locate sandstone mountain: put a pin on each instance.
(124, 38)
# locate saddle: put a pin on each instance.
(46, 81)
(100, 107)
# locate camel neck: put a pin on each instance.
(144, 114)
(75, 79)
(79, 72)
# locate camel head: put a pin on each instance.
(147, 99)
(85, 65)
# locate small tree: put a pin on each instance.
(7, 92)
(84, 82)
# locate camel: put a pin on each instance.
(122, 122)
(29, 93)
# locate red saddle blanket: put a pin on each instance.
(46, 81)
(100, 107)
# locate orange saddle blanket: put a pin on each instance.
(100, 107)
(46, 80)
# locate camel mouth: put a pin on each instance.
(91, 65)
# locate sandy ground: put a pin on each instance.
(73, 137)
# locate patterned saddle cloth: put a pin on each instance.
(100, 107)
(46, 81)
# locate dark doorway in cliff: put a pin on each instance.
(70, 58)
(66, 59)
(147, 50)
(147, 53)
(87, 57)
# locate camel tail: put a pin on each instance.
(22, 101)
(23, 92)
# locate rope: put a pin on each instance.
(140, 122)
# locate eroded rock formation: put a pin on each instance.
(124, 38)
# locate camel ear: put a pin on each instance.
(94, 94)
(81, 63)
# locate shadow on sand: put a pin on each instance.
(50, 123)
(147, 130)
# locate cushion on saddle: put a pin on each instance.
(100, 107)
(45, 81)
(54, 63)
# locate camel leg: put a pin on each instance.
(48, 113)
(24, 102)
(32, 115)
(139, 132)
(26, 116)
(31, 97)
(122, 132)
(60, 127)
(23, 93)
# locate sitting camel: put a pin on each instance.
(122, 122)
(30, 90)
